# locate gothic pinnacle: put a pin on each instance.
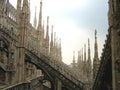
(25, 12)
(40, 16)
(85, 52)
(96, 46)
(60, 51)
(47, 33)
(25, 7)
(82, 55)
(43, 30)
(79, 57)
(19, 5)
(54, 39)
(47, 37)
(18, 11)
(89, 56)
(52, 36)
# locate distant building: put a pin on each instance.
(84, 68)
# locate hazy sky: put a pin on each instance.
(74, 22)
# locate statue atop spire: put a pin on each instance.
(40, 16)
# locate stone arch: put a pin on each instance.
(47, 79)
(44, 82)
(44, 76)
